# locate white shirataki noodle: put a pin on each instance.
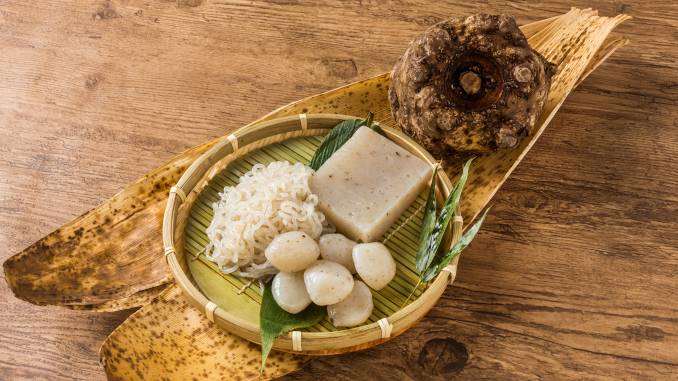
(269, 200)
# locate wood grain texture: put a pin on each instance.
(572, 276)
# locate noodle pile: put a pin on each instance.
(268, 201)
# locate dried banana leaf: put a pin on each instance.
(577, 41)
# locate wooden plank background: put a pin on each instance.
(572, 277)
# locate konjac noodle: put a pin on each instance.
(269, 200)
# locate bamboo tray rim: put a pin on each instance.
(238, 144)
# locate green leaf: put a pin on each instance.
(375, 127)
(334, 140)
(458, 247)
(430, 214)
(436, 236)
(274, 321)
(369, 119)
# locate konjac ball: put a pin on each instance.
(354, 310)
(289, 291)
(328, 282)
(374, 264)
(292, 251)
(337, 248)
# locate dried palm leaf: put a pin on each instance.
(577, 41)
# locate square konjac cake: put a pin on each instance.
(367, 184)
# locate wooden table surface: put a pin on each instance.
(572, 277)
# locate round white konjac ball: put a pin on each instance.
(337, 248)
(328, 282)
(292, 251)
(374, 264)
(289, 291)
(354, 310)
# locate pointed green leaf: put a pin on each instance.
(334, 140)
(337, 137)
(274, 321)
(436, 237)
(458, 247)
(375, 127)
(369, 119)
(430, 214)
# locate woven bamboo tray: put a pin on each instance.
(229, 301)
